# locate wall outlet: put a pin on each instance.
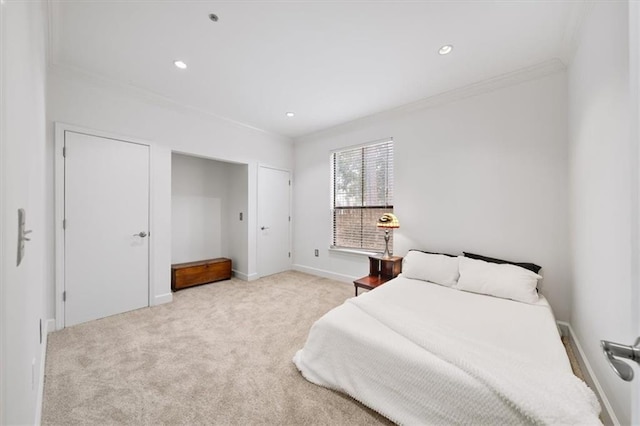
(240, 215)
(316, 252)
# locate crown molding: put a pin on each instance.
(579, 13)
(73, 73)
(513, 78)
(52, 44)
(53, 18)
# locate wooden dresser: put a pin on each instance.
(188, 274)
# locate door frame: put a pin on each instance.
(59, 203)
(257, 224)
(634, 116)
(2, 217)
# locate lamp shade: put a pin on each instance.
(388, 220)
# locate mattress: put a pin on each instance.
(419, 353)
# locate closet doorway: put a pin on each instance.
(209, 202)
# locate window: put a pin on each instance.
(362, 191)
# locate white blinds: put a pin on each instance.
(362, 181)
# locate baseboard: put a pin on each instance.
(324, 274)
(608, 415)
(253, 277)
(163, 298)
(49, 325)
(241, 275)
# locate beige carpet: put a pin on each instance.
(575, 365)
(219, 354)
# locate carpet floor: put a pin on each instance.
(218, 354)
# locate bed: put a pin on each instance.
(419, 352)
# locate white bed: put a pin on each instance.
(422, 353)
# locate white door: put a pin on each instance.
(107, 226)
(273, 221)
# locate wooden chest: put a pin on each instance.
(185, 275)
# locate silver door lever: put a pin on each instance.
(22, 235)
(140, 234)
(264, 227)
(614, 351)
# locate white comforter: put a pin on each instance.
(420, 353)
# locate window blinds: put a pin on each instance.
(362, 180)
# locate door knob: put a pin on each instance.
(264, 227)
(615, 351)
(140, 234)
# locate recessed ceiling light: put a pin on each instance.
(289, 114)
(446, 49)
(180, 64)
(213, 17)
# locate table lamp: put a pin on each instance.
(387, 221)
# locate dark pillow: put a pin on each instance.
(431, 252)
(530, 266)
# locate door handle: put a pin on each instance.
(615, 351)
(264, 227)
(140, 234)
(22, 235)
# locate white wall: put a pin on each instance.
(90, 102)
(160, 215)
(22, 159)
(199, 192)
(238, 202)
(486, 174)
(601, 184)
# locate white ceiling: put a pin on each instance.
(328, 61)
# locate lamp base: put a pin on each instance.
(386, 254)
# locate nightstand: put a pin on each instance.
(380, 271)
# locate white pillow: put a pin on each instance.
(437, 268)
(500, 280)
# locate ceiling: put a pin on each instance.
(330, 62)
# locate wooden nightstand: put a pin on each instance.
(380, 271)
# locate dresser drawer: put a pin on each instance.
(185, 275)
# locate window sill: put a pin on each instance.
(354, 251)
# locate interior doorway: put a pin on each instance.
(105, 227)
(274, 220)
